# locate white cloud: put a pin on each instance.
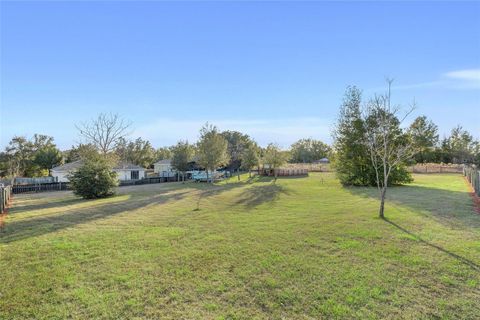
(284, 131)
(467, 75)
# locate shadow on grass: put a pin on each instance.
(453, 209)
(37, 226)
(45, 205)
(260, 194)
(253, 195)
(464, 260)
(206, 190)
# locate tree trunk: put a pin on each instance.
(250, 173)
(275, 174)
(238, 174)
(381, 213)
(206, 170)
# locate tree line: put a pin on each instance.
(107, 134)
(232, 150)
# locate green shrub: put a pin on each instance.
(94, 179)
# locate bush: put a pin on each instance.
(94, 179)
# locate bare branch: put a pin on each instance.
(388, 144)
(104, 131)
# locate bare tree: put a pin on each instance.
(105, 131)
(389, 145)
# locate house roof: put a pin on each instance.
(68, 166)
(128, 166)
(76, 164)
(164, 161)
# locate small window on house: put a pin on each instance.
(134, 175)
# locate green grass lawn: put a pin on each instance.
(300, 248)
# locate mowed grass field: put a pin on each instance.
(300, 248)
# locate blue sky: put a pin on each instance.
(274, 70)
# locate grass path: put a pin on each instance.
(302, 248)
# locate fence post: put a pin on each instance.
(1, 200)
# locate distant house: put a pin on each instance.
(323, 160)
(129, 171)
(60, 173)
(163, 168)
(125, 171)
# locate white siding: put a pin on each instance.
(162, 167)
(60, 176)
(123, 174)
(126, 174)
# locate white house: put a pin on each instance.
(125, 171)
(60, 173)
(129, 171)
(164, 168)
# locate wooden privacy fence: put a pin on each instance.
(436, 168)
(311, 167)
(5, 196)
(472, 174)
(292, 172)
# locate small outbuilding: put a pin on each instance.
(129, 171)
(163, 168)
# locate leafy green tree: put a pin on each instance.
(211, 149)
(460, 146)
(30, 158)
(143, 153)
(250, 157)
(139, 152)
(182, 156)
(237, 143)
(274, 158)
(351, 161)
(308, 150)
(19, 153)
(4, 165)
(94, 179)
(425, 137)
(81, 151)
(48, 157)
(163, 153)
(45, 155)
(41, 141)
